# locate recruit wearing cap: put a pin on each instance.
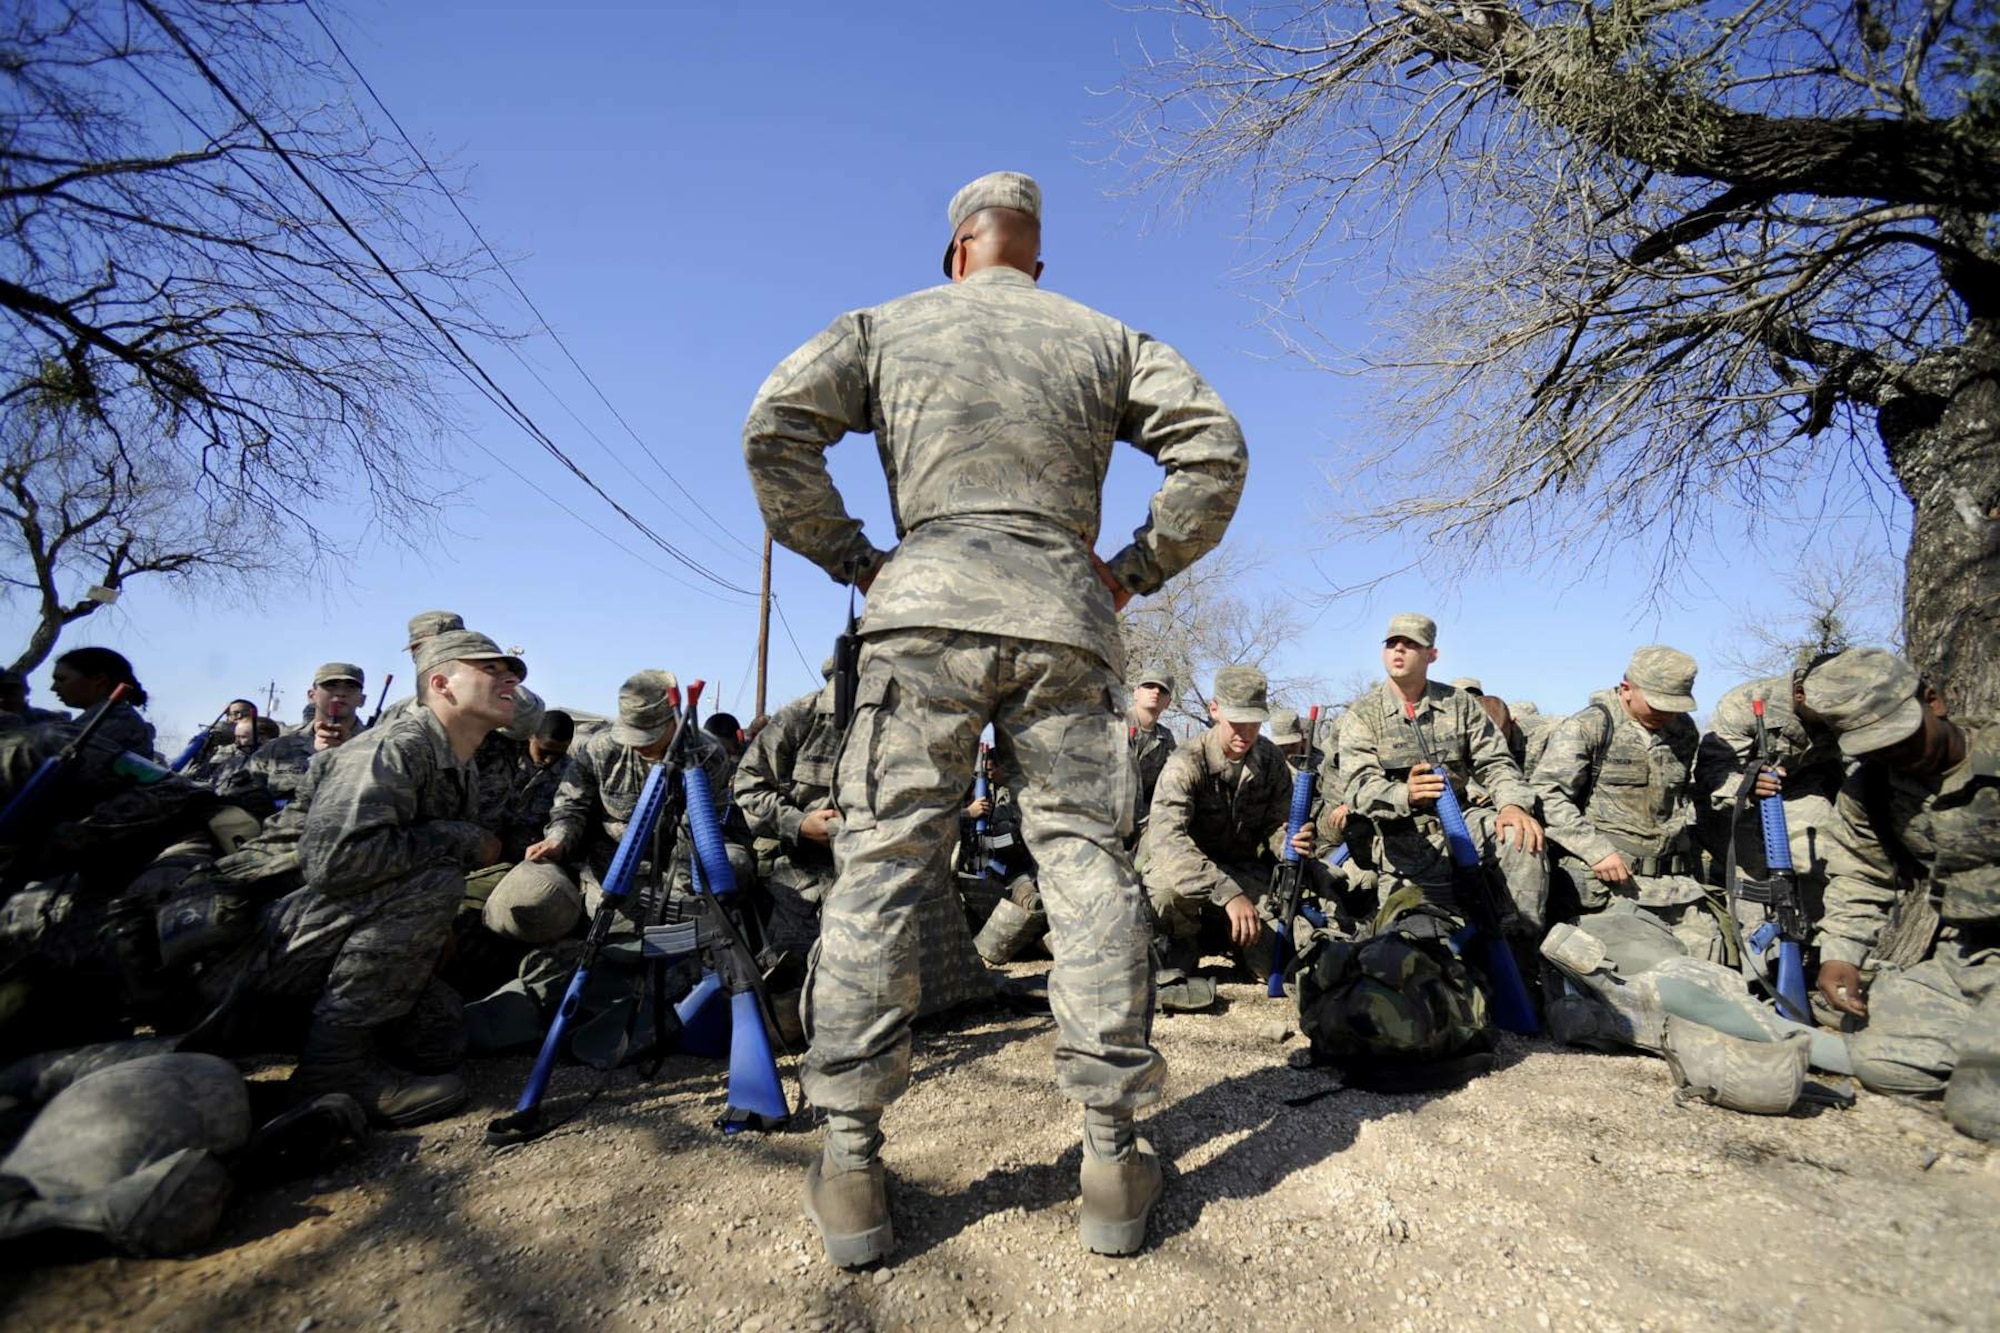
(1868, 696)
(464, 645)
(1154, 676)
(1420, 630)
(1666, 677)
(1242, 694)
(996, 189)
(333, 671)
(648, 703)
(1470, 684)
(429, 624)
(1284, 728)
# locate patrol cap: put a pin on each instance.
(1869, 696)
(647, 703)
(996, 189)
(1284, 728)
(464, 645)
(430, 624)
(1470, 684)
(1523, 707)
(1666, 675)
(1242, 694)
(339, 671)
(1420, 630)
(1159, 676)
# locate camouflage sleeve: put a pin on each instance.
(1562, 780)
(1492, 761)
(1725, 753)
(360, 830)
(1370, 792)
(1173, 861)
(816, 395)
(1172, 415)
(763, 784)
(577, 801)
(1860, 882)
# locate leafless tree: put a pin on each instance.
(79, 505)
(1202, 620)
(1641, 261)
(1833, 605)
(204, 243)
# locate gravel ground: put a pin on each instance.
(1563, 1191)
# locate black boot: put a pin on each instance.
(337, 1059)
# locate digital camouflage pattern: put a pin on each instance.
(600, 791)
(1951, 828)
(994, 406)
(1210, 813)
(1150, 750)
(274, 772)
(1808, 751)
(1058, 718)
(525, 803)
(1641, 804)
(1377, 752)
(785, 775)
(386, 838)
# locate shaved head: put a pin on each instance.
(998, 238)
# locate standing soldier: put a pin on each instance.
(1152, 744)
(995, 406)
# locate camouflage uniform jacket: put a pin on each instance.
(1377, 753)
(393, 801)
(1950, 827)
(1207, 811)
(787, 773)
(1641, 804)
(272, 773)
(1150, 751)
(530, 797)
(1809, 751)
(500, 758)
(601, 790)
(994, 406)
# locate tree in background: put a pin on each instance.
(1201, 621)
(228, 288)
(1849, 602)
(1639, 261)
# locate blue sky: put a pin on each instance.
(688, 192)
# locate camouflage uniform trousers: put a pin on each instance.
(1182, 919)
(1696, 927)
(1936, 1029)
(795, 891)
(1058, 715)
(1413, 851)
(364, 961)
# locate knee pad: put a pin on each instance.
(535, 903)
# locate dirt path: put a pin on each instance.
(1564, 1191)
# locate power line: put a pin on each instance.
(503, 399)
(779, 608)
(519, 291)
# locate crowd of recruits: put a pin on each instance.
(1624, 806)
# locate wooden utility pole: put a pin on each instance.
(764, 626)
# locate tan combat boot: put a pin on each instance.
(851, 1210)
(1118, 1197)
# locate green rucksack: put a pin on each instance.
(1399, 995)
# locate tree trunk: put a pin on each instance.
(1944, 443)
(43, 641)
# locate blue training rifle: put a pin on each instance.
(1513, 1009)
